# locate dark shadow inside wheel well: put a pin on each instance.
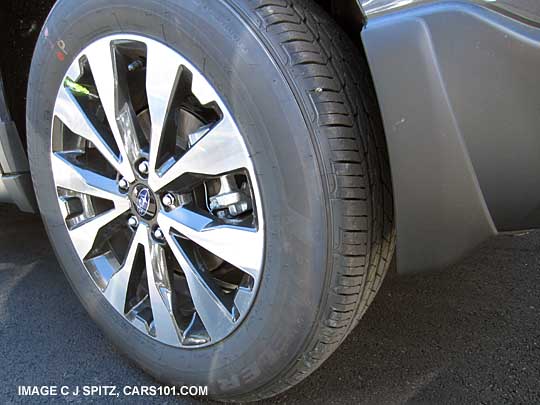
(20, 23)
(347, 14)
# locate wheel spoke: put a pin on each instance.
(160, 292)
(71, 177)
(217, 319)
(203, 90)
(161, 82)
(241, 247)
(117, 286)
(84, 234)
(100, 58)
(68, 110)
(220, 151)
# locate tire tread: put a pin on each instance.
(332, 75)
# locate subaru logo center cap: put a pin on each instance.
(145, 202)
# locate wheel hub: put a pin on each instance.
(144, 202)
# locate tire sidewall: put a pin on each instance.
(215, 40)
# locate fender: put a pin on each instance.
(458, 89)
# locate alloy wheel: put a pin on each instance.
(157, 190)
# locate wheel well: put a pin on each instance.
(347, 13)
(21, 22)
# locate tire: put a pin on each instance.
(302, 98)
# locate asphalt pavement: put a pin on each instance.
(470, 334)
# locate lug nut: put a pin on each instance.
(133, 222)
(158, 234)
(123, 184)
(135, 65)
(168, 200)
(143, 167)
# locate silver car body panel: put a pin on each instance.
(15, 182)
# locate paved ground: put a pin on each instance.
(471, 334)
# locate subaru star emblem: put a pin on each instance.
(143, 202)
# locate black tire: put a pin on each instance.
(301, 94)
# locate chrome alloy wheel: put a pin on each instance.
(157, 190)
